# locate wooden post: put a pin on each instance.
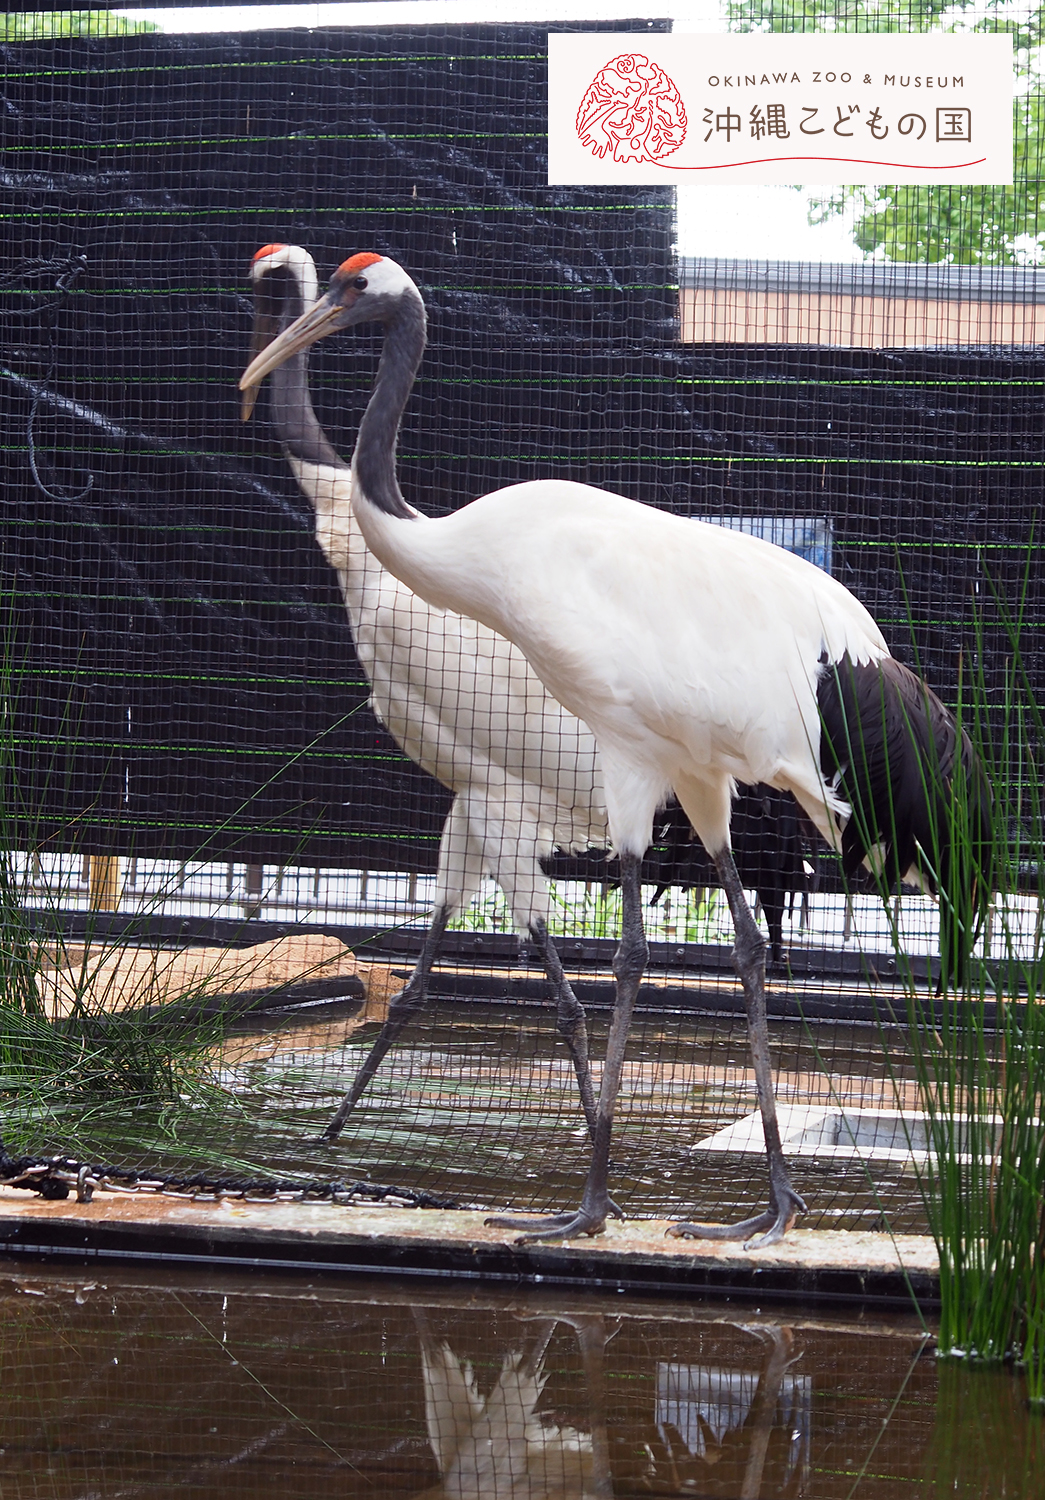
(103, 882)
(255, 886)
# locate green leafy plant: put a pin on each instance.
(33, 26)
(589, 909)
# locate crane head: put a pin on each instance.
(366, 288)
(285, 284)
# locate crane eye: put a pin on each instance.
(360, 283)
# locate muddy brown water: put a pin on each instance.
(136, 1385)
(118, 1385)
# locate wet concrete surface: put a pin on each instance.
(479, 1103)
(637, 1254)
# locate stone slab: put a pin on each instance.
(634, 1256)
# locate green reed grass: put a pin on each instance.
(979, 1048)
(88, 1062)
(141, 1076)
(64, 1077)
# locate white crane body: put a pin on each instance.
(465, 705)
(461, 701)
(695, 681)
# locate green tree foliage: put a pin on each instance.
(35, 26)
(964, 225)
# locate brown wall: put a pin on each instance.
(756, 317)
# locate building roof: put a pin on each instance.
(942, 283)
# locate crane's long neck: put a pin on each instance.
(327, 481)
(374, 459)
(420, 552)
(293, 415)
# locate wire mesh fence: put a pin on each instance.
(191, 749)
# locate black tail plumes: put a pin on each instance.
(922, 805)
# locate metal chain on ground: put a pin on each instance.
(56, 1177)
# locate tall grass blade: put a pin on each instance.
(979, 1045)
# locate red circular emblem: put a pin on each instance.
(632, 111)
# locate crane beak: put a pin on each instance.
(326, 317)
(266, 328)
(247, 401)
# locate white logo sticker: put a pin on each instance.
(760, 109)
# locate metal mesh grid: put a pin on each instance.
(190, 701)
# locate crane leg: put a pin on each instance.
(749, 960)
(570, 1019)
(762, 1416)
(401, 1009)
(629, 963)
(773, 906)
(591, 1336)
(572, 1027)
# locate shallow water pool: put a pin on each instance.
(147, 1384)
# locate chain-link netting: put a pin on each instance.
(190, 754)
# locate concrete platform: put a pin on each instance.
(840, 1266)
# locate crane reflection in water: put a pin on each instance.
(499, 1446)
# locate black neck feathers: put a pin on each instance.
(293, 417)
(374, 460)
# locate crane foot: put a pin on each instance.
(559, 1227)
(562, 1226)
(758, 1232)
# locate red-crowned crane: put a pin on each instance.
(699, 656)
(462, 702)
(459, 700)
